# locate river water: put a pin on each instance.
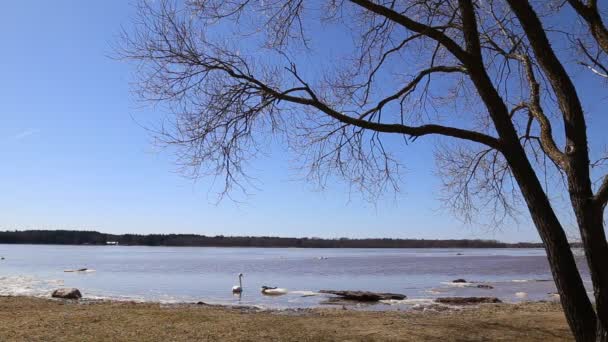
(180, 274)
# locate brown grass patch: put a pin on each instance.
(31, 319)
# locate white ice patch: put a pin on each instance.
(304, 293)
(435, 292)
(459, 284)
(412, 301)
(27, 286)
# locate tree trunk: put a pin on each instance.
(575, 302)
(573, 296)
(576, 159)
(590, 220)
(602, 334)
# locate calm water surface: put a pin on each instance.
(182, 274)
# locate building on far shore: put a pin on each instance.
(112, 243)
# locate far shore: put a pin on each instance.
(75, 237)
(40, 319)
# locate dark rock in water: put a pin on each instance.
(467, 300)
(67, 293)
(485, 286)
(80, 270)
(459, 254)
(364, 296)
(459, 281)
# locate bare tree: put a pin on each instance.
(492, 75)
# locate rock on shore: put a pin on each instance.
(364, 296)
(67, 293)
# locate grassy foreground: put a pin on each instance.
(31, 319)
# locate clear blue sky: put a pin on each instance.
(74, 157)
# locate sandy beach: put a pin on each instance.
(38, 319)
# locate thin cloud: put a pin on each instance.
(26, 133)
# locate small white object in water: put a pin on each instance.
(521, 295)
(305, 293)
(433, 291)
(417, 302)
(273, 291)
(453, 284)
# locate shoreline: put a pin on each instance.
(39, 288)
(268, 247)
(32, 318)
(406, 305)
(326, 301)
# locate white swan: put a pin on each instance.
(238, 288)
(273, 291)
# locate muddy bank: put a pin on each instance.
(24, 318)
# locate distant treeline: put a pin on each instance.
(72, 237)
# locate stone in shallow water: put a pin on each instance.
(459, 281)
(67, 293)
(365, 296)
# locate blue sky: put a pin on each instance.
(74, 155)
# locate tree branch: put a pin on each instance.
(567, 97)
(601, 197)
(536, 110)
(469, 28)
(589, 12)
(412, 85)
(413, 131)
(595, 60)
(415, 26)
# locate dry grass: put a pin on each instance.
(30, 319)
